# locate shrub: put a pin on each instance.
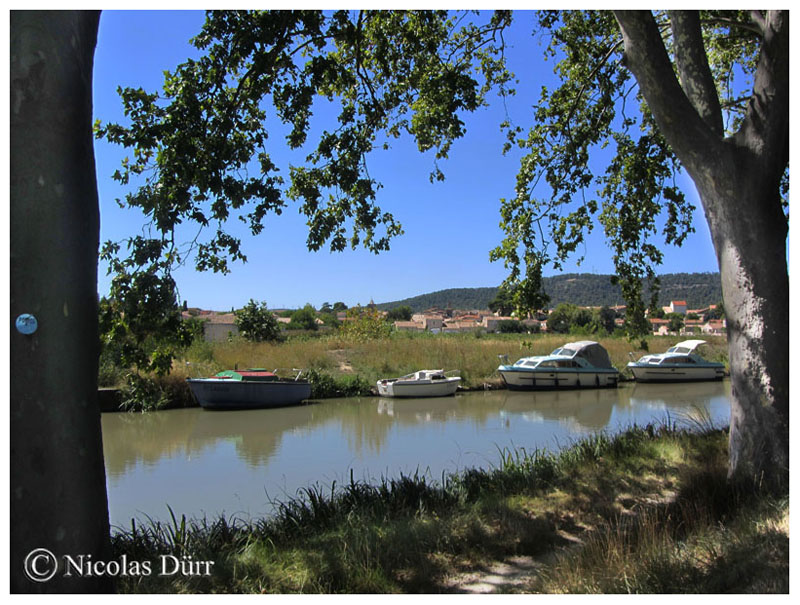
(256, 323)
(510, 326)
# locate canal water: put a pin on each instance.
(237, 463)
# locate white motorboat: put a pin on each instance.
(680, 363)
(576, 365)
(424, 383)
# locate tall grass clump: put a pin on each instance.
(325, 385)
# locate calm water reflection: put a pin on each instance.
(206, 463)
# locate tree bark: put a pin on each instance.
(58, 490)
(738, 181)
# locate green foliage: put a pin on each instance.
(717, 313)
(511, 326)
(503, 303)
(604, 320)
(304, 319)
(142, 394)
(364, 324)
(402, 313)
(570, 319)
(329, 320)
(560, 319)
(140, 321)
(324, 385)
(675, 322)
(256, 323)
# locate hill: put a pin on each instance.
(582, 289)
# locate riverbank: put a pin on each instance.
(347, 367)
(646, 511)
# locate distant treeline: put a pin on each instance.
(582, 289)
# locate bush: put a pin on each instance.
(365, 324)
(324, 385)
(256, 323)
(510, 326)
(304, 319)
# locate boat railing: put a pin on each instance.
(296, 371)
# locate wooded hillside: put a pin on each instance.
(582, 289)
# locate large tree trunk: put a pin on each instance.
(749, 233)
(738, 180)
(58, 491)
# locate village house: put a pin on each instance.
(217, 327)
(692, 326)
(428, 321)
(619, 310)
(676, 306)
(660, 327)
(458, 325)
(409, 326)
(715, 327)
(491, 323)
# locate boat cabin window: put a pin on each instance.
(679, 350)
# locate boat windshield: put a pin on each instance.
(682, 350)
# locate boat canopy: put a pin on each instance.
(686, 347)
(589, 350)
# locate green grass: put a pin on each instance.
(646, 511)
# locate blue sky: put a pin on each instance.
(450, 226)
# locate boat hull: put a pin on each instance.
(675, 373)
(432, 388)
(550, 379)
(216, 394)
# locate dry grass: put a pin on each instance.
(475, 356)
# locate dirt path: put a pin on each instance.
(499, 577)
(340, 356)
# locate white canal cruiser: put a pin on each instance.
(576, 365)
(425, 383)
(680, 363)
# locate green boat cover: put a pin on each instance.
(257, 374)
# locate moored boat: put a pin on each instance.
(248, 389)
(576, 365)
(680, 363)
(424, 383)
